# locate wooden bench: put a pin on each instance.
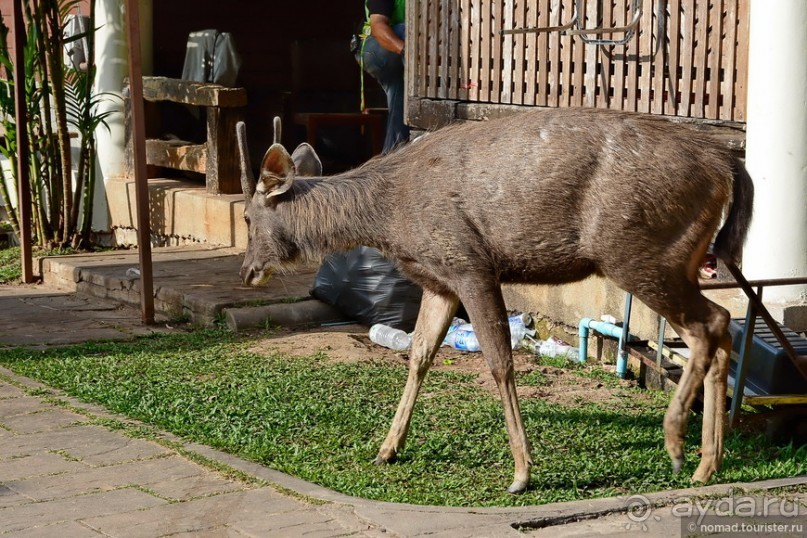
(217, 158)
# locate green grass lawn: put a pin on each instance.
(11, 259)
(10, 270)
(323, 421)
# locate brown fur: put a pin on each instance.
(543, 197)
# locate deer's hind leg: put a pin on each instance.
(703, 325)
(434, 317)
(714, 412)
(669, 286)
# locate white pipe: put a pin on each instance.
(776, 155)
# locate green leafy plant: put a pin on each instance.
(10, 269)
(59, 99)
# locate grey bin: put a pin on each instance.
(768, 368)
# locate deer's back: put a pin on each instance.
(552, 195)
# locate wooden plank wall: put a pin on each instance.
(687, 58)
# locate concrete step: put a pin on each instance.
(197, 283)
(181, 212)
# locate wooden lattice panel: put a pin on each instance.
(691, 61)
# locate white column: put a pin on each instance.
(777, 148)
(112, 67)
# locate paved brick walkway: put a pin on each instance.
(63, 473)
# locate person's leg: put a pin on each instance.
(396, 110)
(387, 68)
(397, 131)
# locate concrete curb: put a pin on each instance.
(308, 312)
(198, 283)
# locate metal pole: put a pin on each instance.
(23, 179)
(139, 159)
(622, 353)
(742, 363)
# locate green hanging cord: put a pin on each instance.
(361, 68)
(363, 36)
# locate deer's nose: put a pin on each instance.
(247, 274)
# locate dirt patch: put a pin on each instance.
(350, 343)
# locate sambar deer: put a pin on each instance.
(540, 197)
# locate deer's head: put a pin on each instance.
(270, 243)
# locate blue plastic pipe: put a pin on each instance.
(608, 329)
(602, 327)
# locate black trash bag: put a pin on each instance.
(367, 287)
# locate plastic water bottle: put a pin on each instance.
(553, 348)
(462, 339)
(456, 323)
(532, 345)
(525, 319)
(518, 329)
(466, 340)
(387, 336)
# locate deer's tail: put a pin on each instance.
(731, 237)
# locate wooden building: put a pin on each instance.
(295, 59)
(680, 58)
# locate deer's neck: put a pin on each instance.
(338, 212)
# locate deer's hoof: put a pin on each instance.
(518, 486)
(675, 449)
(383, 459)
(704, 472)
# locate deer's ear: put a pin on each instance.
(306, 161)
(277, 172)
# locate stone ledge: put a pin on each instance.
(181, 212)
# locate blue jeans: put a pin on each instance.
(388, 69)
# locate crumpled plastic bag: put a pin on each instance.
(367, 287)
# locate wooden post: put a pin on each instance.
(223, 168)
(23, 180)
(139, 161)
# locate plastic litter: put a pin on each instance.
(461, 334)
(519, 330)
(368, 288)
(133, 272)
(390, 337)
(462, 339)
(552, 347)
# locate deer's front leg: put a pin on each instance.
(434, 317)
